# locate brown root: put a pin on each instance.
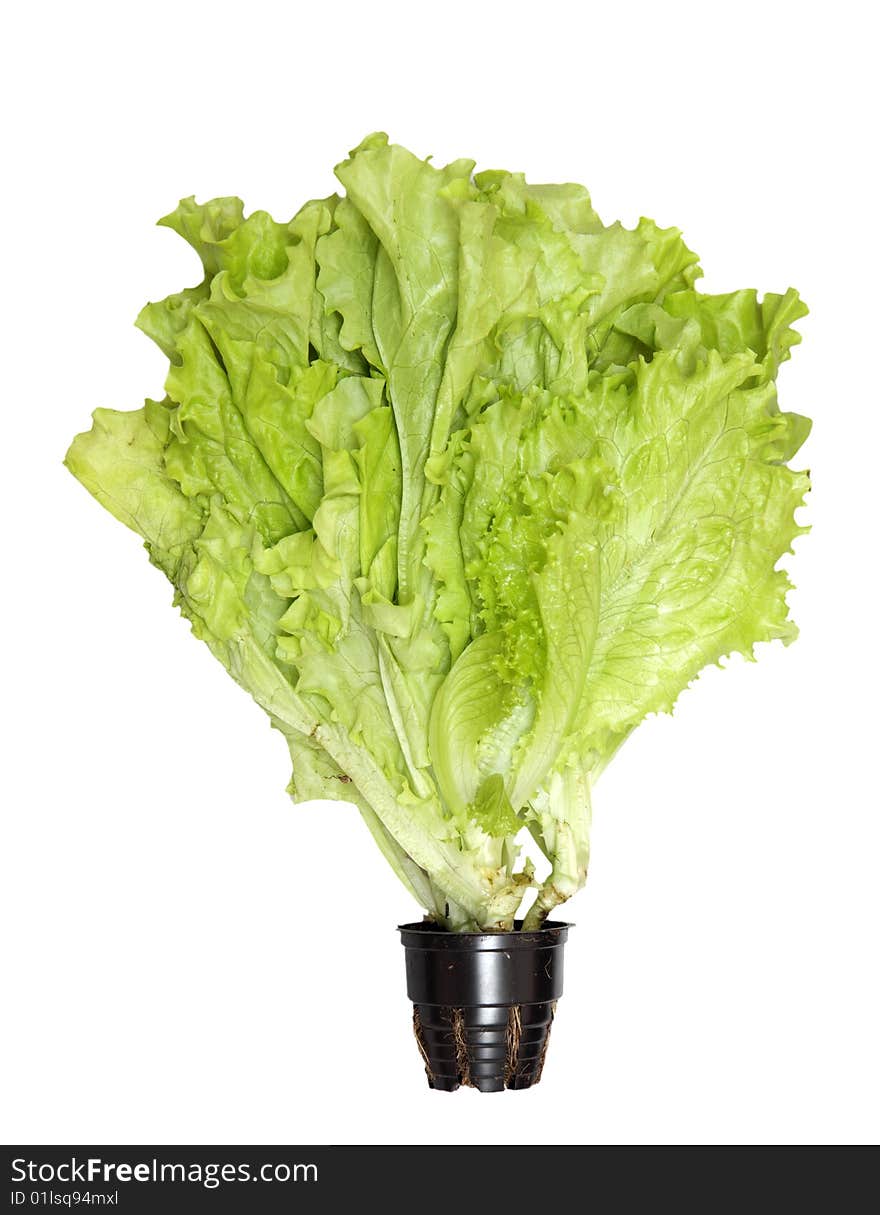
(461, 1051)
(540, 1068)
(514, 1034)
(420, 1042)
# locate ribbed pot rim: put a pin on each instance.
(428, 936)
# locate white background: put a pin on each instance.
(189, 957)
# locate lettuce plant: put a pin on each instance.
(460, 484)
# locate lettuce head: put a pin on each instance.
(460, 484)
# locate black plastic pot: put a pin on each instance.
(483, 1002)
